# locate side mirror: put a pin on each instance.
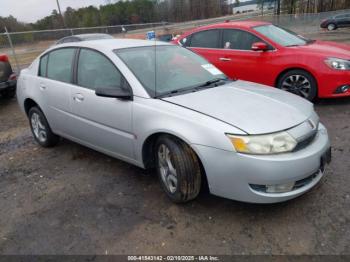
(114, 93)
(260, 46)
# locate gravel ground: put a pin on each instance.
(73, 200)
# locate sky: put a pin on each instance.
(32, 10)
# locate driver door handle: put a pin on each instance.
(78, 98)
(224, 59)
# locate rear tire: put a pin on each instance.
(299, 82)
(41, 130)
(178, 169)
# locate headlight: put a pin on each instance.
(263, 144)
(338, 64)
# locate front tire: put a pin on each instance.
(41, 130)
(331, 27)
(299, 82)
(178, 169)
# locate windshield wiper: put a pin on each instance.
(207, 84)
(310, 41)
(210, 82)
(292, 45)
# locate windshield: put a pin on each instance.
(167, 69)
(281, 36)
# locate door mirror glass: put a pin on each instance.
(259, 46)
(116, 92)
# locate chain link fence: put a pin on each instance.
(28, 45)
(23, 47)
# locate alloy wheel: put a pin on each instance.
(39, 129)
(167, 169)
(297, 84)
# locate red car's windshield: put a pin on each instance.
(281, 36)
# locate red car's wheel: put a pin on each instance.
(299, 82)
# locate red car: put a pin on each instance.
(264, 53)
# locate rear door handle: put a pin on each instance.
(78, 98)
(224, 59)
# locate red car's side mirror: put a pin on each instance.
(259, 46)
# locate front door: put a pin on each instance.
(103, 123)
(239, 61)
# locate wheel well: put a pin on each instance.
(28, 104)
(148, 150)
(290, 69)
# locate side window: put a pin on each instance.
(60, 65)
(340, 17)
(43, 66)
(206, 39)
(238, 39)
(96, 71)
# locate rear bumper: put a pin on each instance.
(231, 175)
(8, 85)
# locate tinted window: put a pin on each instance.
(60, 65)
(205, 39)
(341, 16)
(43, 64)
(238, 39)
(96, 71)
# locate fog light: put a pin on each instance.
(281, 188)
(342, 89)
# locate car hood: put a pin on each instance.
(328, 49)
(251, 107)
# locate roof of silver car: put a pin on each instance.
(113, 44)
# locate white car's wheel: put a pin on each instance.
(40, 128)
(178, 169)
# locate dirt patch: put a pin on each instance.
(73, 200)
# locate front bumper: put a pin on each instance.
(231, 174)
(330, 81)
(8, 85)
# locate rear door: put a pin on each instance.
(103, 123)
(54, 83)
(206, 43)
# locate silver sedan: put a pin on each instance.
(156, 105)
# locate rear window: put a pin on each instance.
(60, 65)
(43, 66)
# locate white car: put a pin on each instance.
(154, 104)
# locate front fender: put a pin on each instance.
(152, 116)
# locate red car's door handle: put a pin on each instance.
(224, 59)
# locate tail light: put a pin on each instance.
(4, 58)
